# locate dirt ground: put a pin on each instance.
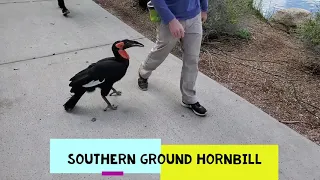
(273, 70)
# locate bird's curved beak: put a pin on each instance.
(131, 43)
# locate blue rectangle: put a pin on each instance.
(61, 148)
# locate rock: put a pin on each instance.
(290, 18)
(280, 27)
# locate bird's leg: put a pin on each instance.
(114, 91)
(113, 107)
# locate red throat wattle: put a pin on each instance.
(122, 52)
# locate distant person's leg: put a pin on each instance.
(191, 44)
(164, 45)
(61, 4)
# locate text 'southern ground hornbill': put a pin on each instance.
(102, 74)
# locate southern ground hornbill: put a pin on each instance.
(102, 74)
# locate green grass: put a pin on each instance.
(244, 34)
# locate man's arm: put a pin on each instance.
(162, 8)
(204, 5)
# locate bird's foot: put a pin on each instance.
(116, 93)
(111, 106)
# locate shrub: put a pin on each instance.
(224, 18)
(310, 31)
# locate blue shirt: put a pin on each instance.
(179, 9)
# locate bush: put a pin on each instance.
(310, 31)
(224, 17)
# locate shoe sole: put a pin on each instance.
(142, 89)
(195, 112)
(66, 13)
(145, 89)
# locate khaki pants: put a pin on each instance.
(191, 44)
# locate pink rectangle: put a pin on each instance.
(112, 173)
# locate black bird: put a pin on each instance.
(102, 74)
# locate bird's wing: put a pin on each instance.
(109, 70)
(85, 71)
(82, 73)
(100, 72)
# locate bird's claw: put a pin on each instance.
(116, 93)
(113, 107)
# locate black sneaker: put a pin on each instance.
(196, 108)
(65, 12)
(143, 83)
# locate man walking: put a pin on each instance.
(181, 20)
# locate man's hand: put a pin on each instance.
(176, 28)
(204, 16)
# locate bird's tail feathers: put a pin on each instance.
(71, 103)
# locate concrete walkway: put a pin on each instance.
(34, 86)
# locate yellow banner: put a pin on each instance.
(215, 162)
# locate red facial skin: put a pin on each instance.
(122, 52)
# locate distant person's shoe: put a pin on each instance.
(143, 83)
(196, 108)
(65, 12)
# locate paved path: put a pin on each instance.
(34, 86)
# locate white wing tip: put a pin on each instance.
(93, 83)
